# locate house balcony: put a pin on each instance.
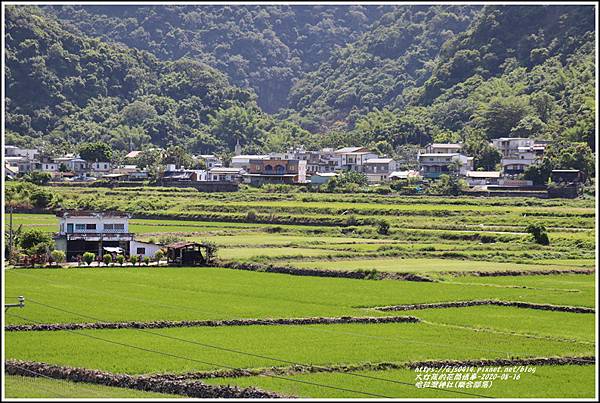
(97, 236)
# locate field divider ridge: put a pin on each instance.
(212, 323)
(377, 366)
(144, 383)
(356, 274)
(461, 304)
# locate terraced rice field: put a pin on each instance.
(282, 266)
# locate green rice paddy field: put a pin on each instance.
(454, 242)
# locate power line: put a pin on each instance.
(206, 362)
(464, 347)
(252, 354)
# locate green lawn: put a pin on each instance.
(307, 344)
(141, 293)
(569, 381)
(421, 265)
(26, 387)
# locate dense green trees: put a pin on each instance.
(263, 48)
(97, 151)
(64, 86)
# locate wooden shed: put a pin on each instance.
(185, 253)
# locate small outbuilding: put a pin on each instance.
(186, 253)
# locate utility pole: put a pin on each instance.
(20, 304)
(10, 232)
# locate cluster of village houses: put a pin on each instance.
(296, 166)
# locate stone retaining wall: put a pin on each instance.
(145, 383)
(516, 304)
(210, 323)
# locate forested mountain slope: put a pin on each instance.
(63, 88)
(380, 69)
(261, 47)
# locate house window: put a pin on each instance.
(119, 226)
(108, 226)
(79, 227)
(90, 226)
(141, 251)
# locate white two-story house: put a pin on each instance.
(353, 158)
(99, 233)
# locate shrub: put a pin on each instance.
(147, 260)
(347, 181)
(133, 259)
(30, 238)
(211, 251)
(107, 258)
(41, 198)
(169, 239)
(539, 233)
(251, 216)
(159, 255)
(120, 259)
(58, 256)
(383, 227)
(351, 220)
(447, 185)
(89, 257)
(37, 177)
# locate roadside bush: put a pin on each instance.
(89, 257)
(133, 259)
(539, 233)
(107, 259)
(158, 256)
(120, 259)
(147, 260)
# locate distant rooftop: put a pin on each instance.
(439, 154)
(483, 174)
(379, 160)
(133, 154)
(446, 145)
(347, 150)
(87, 213)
